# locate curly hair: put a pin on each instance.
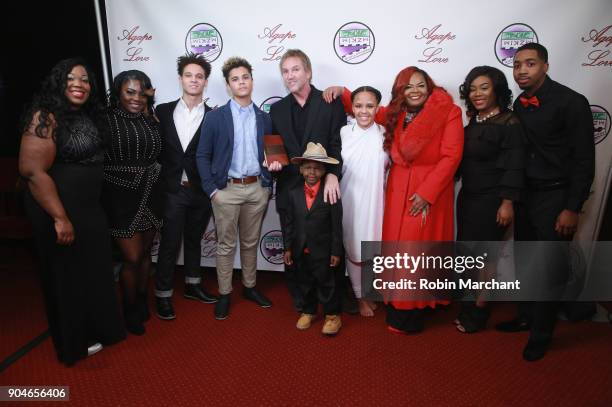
(51, 100)
(191, 58)
(123, 77)
(235, 62)
(503, 94)
(398, 100)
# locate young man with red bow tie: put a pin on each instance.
(560, 166)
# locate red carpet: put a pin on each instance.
(258, 358)
(22, 314)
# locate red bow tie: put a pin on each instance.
(529, 101)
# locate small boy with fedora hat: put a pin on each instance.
(313, 241)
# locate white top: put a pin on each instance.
(186, 123)
(362, 186)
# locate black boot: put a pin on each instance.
(472, 318)
(133, 318)
(143, 306)
(222, 307)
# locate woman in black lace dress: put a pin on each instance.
(61, 157)
(131, 194)
(491, 173)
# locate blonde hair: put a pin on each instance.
(297, 53)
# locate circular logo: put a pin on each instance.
(271, 247)
(155, 244)
(265, 105)
(601, 123)
(208, 245)
(354, 42)
(204, 39)
(512, 38)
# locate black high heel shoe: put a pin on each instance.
(472, 318)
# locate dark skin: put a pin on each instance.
(312, 171)
(135, 250)
(36, 156)
(529, 73)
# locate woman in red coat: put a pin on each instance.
(425, 140)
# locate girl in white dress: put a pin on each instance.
(363, 184)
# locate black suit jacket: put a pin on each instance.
(323, 126)
(319, 229)
(173, 159)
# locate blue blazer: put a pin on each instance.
(216, 146)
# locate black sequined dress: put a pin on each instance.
(132, 195)
(77, 280)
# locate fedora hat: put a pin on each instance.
(314, 152)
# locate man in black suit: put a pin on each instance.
(558, 125)
(313, 240)
(187, 207)
(302, 117)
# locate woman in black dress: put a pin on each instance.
(491, 174)
(131, 194)
(61, 157)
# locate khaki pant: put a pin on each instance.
(238, 210)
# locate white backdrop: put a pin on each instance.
(362, 42)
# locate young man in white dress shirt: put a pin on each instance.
(187, 208)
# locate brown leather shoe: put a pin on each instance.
(332, 325)
(305, 321)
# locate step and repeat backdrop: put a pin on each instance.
(364, 43)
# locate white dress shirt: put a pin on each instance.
(186, 122)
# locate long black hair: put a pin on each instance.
(503, 94)
(51, 99)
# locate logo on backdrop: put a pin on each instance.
(601, 40)
(155, 245)
(265, 105)
(275, 37)
(435, 36)
(209, 242)
(354, 42)
(601, 123)
(204, 39)
(271, 247)
(134, 40)
(512, 38)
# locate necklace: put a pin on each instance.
(409, 117)
(486, 117)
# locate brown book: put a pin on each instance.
(274, 149)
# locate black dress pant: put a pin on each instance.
(535, 221)
(186, 215)
(317, 283)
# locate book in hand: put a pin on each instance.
(274, 149)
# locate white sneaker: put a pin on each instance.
(93, 349)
